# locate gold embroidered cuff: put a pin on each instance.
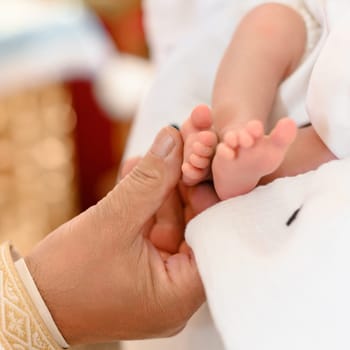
(21, 327)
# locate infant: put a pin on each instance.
(228, 143)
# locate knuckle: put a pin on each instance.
(146, 178)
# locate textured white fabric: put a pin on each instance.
(271, 286)
(39, 303)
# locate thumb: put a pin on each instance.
(140, 194)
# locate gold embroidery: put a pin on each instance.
(21, 327)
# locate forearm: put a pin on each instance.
(265, 49)
(307, 153)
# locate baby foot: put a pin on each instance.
(199, 146)
(246, 155)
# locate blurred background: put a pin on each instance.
(72, 76)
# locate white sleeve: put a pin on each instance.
(39, 303)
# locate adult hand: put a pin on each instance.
(182, 204)
(102, 279)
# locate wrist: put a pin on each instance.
(49, 264)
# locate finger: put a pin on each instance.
(168, 230)
(143, 191)
(127, 166)
(198, 198)
(202, 197)
(187, 285)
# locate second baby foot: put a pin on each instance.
(246, 155)
(199, 146)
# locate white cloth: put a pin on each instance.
(271, 285)
(186, 79)
(166, 24)
(328, 101)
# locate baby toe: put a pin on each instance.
(202, 150)
(190, 174)
(201, 117)
(199, 162)
(255, 128)
(231, 139)
(224, 151)
(207, 138)
(245, 140)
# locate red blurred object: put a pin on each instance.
(128, 32)
(93, 142)
(99, 140)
